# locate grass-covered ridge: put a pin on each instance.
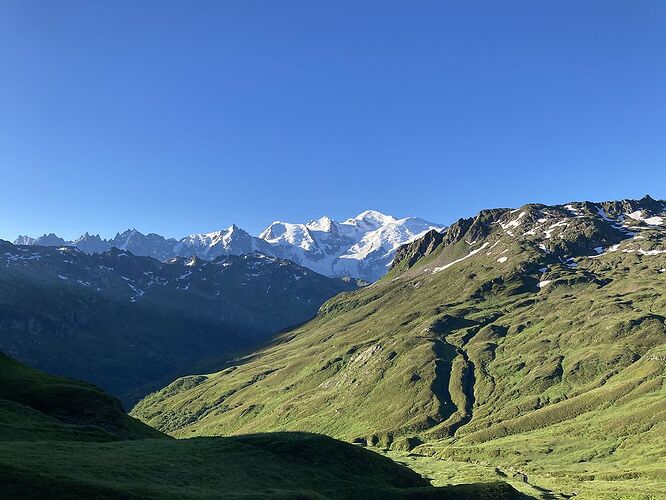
(533, 340)
(34, 405)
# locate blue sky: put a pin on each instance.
(179, 117)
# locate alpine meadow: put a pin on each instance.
(333, 250)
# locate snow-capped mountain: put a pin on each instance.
(362, 247)
(231, 241)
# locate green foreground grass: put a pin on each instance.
(282, 465)
(61, 438)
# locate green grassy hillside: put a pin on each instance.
(35, 406)
(531, 340)
(66, 439)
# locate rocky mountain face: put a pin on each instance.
(130, 323)
(533, 340)
(362, 247)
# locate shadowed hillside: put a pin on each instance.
(132, 324)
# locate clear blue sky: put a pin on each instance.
(176, 117)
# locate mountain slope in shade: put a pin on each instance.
(532, 340)
(129, 323)
(362, 247)
(34, 405)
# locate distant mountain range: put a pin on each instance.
(362, 247)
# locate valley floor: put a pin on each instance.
(441, 472)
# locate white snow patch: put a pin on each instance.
(548, 232)
(513, 223)
(183, 276)
(651, 221)
(604, 216)
(572, 209)
(650, 252)
(570, 263)
(473, 252)
(137, 293)
(492, 246)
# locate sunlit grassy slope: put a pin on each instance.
(530, 340)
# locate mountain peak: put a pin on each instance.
(24, 240)
(234, 233)
(374, 216)
(274, 230)
(324, 223)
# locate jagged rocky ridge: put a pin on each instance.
(130, 323)
(561, 232)
(361, 247)
(532, 339)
